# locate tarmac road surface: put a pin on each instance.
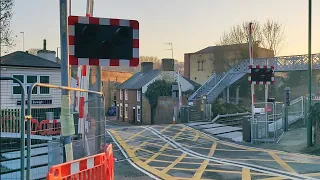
(181, 152)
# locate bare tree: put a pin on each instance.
(153, 59)
(273, 36)
(7, 41)
(156, 61)
(269, 35)
(239, 34)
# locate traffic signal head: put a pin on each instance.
(261, 74)
(103, 41)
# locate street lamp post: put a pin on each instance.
(171, 49)
(22, 40)
(309, 124)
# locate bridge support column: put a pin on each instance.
(237, 95)
(228, 94)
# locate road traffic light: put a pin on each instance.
(259, 75)
(103, 41)
(287, 96)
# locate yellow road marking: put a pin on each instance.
(281, 162)
(141, 149)
(196, 137)
(147, 137)
(135, 135)
(141, 145)
(203, 166)
(185, 169)
(265, 160)
(163, 147)
(164, 129)
(246, 174)
(137, 161)
(274, 178)
(166, 161)
(156, 154)
(174, 163)
(169, 155)
(159, 145)
(312, 174)
(237, 150)
(198, 147)
(233, 172)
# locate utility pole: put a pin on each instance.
(252, 85)
(309, 123)
(22, 40)
(67, 123)
(90, 4)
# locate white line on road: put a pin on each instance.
(129, 160)
(239, 145)
(222, 161)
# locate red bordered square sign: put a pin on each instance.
(261, 75)
(103, 42)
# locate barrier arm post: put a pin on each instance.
(67, 123)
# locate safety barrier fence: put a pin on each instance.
(83, 119)
(99, 166)
(268, 126)
(43, 127)
(12, 123)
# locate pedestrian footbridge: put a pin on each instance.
(213, 87)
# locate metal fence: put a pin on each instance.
(12, 128)
(267, 125)
(47, 121)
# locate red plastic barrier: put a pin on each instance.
(34, 126)
(99, 166)
(47, 127)
(110, 161)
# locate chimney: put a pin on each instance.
(44, 44)
(167, 65)
(44, 53)
(146, 66)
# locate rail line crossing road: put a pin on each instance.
(181, 152)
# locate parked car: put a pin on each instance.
(112, 111)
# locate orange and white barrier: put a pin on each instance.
(34, 126)
(96, 167)
(49, 127)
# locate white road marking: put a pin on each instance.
(222, 161)
(129, 160)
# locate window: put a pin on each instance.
(138, 95)
(28, 80)
(138, 113)
(120, 94)
(16, 89)
(45, 80)
(20, 77)
(31, 80)
(198, 65)
(121, 110)
(202, 68)
(126, 110)
(126, 94)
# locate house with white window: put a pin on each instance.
(30, 69)
(130, 93)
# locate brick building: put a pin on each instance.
(200, 65)
(132, 105)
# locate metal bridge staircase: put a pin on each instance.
(215, 85)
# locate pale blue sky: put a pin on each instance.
(189, 24)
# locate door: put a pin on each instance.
(134, 115)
